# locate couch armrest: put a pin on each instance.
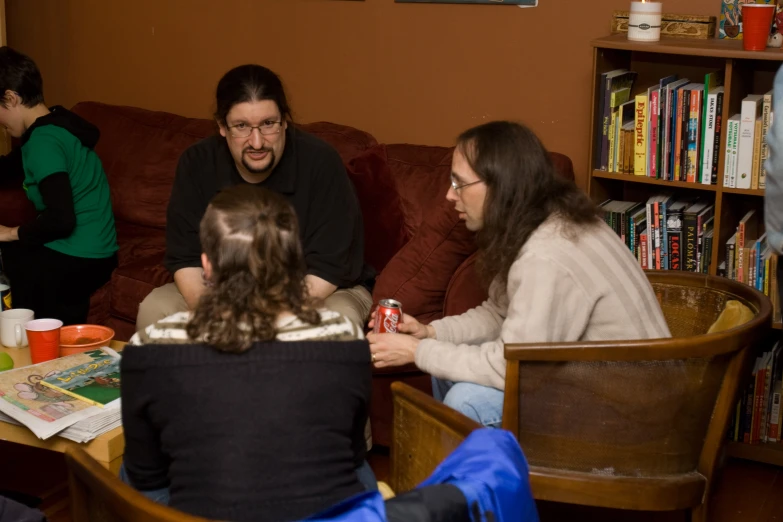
(15, 208)
(464, 291)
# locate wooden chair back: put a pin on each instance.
(635, 424)
(97, 495)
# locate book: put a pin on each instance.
(96, 382)
(751, 110)
(730, 161)
(712, 83)
(766, 121)
(660, 148)
(640, 143)
(693, 141)
(610, 81)
(718, 132)
(756, 163)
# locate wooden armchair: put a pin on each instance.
(631, 425)
(97, 495)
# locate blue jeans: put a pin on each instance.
(480, 403)
(161, 496)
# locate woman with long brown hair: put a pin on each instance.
(557, 273)
(254, 405)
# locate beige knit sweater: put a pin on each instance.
(574, 284)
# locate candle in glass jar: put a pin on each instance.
(644, 22)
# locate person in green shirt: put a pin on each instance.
(56, 261)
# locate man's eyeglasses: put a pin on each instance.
(243, 130)
(460, 187)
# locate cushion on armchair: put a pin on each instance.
(734, 314)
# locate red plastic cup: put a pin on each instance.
(43, 336)
(756, 24)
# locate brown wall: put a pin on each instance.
(417, 73)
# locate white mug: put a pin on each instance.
(12, 332)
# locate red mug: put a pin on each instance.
(43, 336)
(756, 24)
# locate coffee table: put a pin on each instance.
(107, 449)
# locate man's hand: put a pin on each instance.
(319, 288)
(190, 283)
(392, 349)
(9, 234)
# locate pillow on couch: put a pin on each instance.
(384, 226)
(419, 274)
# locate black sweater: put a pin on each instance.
(272, 434)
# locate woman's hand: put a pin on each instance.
(392, 349)
(9, 234)
(409, 325)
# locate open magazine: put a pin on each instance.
(96, 382)
(47, 411)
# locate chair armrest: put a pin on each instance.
(425, 432)
(94, 489)
(707, 345)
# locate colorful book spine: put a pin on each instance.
(640, 144)
(766, 120)
(653, 136)
(751, 109)
(716, 142)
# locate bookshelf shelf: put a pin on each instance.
(768, 453)
(747, 192)
(652, 181)
(710, 48)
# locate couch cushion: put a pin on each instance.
(140, 150)
(346, 140)
(465, 290)
(138, 242)
(131, 283)
(421, 175)
(419, 273)
(384, 226)
(15, 208)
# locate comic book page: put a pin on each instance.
(96, 382)
(44, 410)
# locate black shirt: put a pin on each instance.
(310, 175)
(271, 434)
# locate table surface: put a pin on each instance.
(106, 449)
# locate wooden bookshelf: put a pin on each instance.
(744, 73)
(769, 453)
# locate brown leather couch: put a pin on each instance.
(422, 252)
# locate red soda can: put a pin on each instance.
(388, 316)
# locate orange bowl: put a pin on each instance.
(83, 337)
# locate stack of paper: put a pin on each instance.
(24, 400)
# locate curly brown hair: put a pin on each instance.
(523, 190)
(250, 236)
